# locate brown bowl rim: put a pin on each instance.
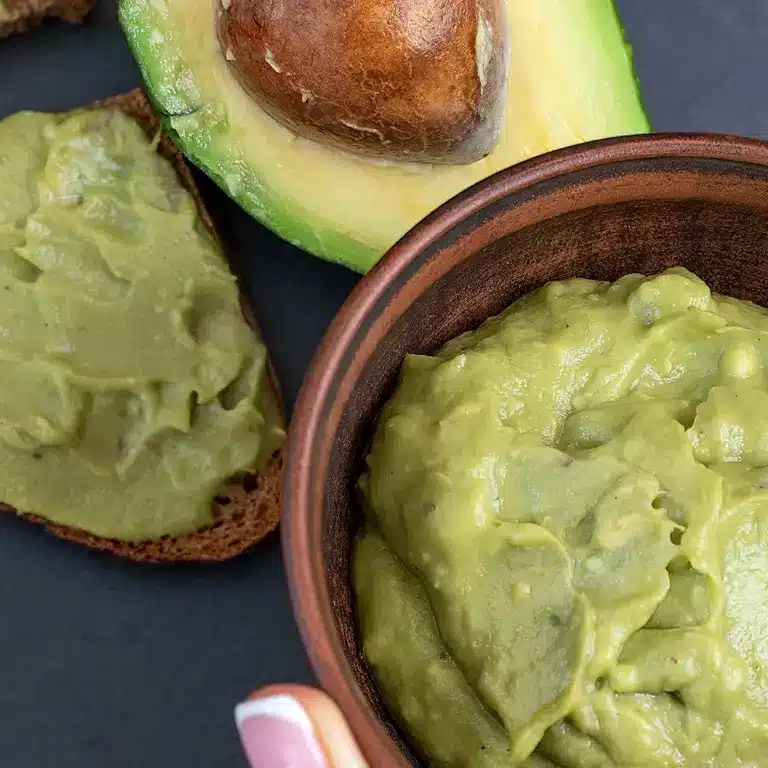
(304, 563)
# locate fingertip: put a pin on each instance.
(297, 691)
(317, 726)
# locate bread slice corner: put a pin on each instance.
(245, 510)
(24, 14)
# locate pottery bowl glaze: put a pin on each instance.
(599, 210)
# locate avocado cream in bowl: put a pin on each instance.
(564, 560)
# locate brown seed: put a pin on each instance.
(419, 80)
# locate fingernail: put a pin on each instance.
(277, 733)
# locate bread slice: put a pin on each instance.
(27, 13)
(245, 511)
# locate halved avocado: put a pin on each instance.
(571, 80)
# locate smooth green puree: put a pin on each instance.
(131, 387)
(565, 559)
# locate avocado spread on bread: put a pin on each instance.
(131, 386)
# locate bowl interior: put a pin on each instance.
(638, 215)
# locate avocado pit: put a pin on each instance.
(417, 80)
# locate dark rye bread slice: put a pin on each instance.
(27, 13)
(244, 511)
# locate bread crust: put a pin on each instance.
(28, 13)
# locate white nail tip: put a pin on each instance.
(281, 707)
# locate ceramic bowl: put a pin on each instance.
(598, 210)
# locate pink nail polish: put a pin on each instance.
(277, 733)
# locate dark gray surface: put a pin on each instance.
(107, 665)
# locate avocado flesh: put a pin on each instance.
(571, 80)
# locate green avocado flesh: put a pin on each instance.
(131, 387)
(565, 555)
(571, 80)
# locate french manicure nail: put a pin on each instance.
(277, 733)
